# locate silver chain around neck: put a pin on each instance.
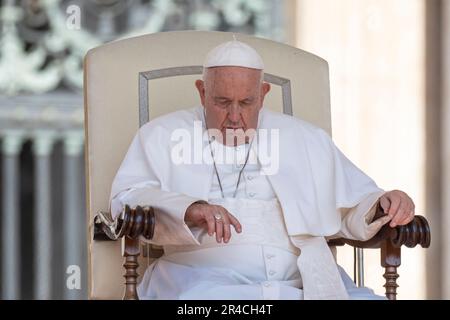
(215, 166)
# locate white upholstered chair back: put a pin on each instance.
(130, 81)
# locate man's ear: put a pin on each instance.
(265, 88)
(200, 84)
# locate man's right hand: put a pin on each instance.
(213, 219)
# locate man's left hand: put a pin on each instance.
(399, 206)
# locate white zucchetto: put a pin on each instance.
(234, 53)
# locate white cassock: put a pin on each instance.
(287, 204)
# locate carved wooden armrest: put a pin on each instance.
(390, 240)
(130, 225)
(417, 232)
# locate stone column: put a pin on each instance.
(43, 142)
(74, 219)
(11, 147)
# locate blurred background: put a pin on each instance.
(390, 95)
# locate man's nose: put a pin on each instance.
(234, 113)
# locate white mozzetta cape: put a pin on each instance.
(320, 191)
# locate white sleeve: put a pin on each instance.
(357, 221)
(357, 198)
(137, 183)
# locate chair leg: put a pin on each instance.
(390, 260)
(131, 253)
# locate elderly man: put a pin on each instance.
(236, 220)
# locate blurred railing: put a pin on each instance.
(43, 43)
(42, 195)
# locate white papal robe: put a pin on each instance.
(315, 192)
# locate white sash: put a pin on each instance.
(320, 275)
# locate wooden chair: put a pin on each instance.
(130, 81)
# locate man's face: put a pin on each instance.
(232, 98)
